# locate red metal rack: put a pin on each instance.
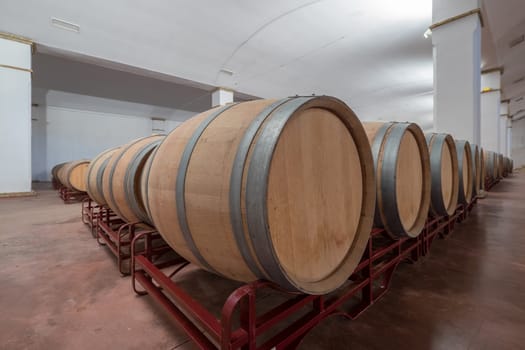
(285, 324)
(91, 211)
(71, 196)
(117, 235)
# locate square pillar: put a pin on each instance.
(221, 96)
(503, 127)
(456, 40)
(15, 115)
(509, 138)
(491, 110)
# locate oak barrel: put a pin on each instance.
(501, 166)
(73, 175)
(482, 169)
(402, 166)
(444, 173)
(465, 171)
(275, 189)
(95, 175)
(490, 165)
(505, 166)
(55, 170)
(497, 168)
(476, 168)
(509, 166)
(144, 184)
(121, 182)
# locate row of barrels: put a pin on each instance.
(71, 174)
(497, 165)
(286, 190)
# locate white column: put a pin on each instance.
(221, 96)
(456, 39)
(490, 110)
(15, 115)
(504, 115)
(509, 138)
(502, 135)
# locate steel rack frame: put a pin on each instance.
(91, 211)
(117, 235)
(240, 326)
(71, 196)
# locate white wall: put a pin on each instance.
(68, 130)
(518, 143)
(15, 102)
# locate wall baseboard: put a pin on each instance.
(18, 194)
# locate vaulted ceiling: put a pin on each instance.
(505, 31)
(371, 54)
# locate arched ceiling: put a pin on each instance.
(505, 25)
(372, 54)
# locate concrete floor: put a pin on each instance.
(60, 290)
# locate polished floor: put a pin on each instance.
(60, 290)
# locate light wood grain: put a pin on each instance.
(409, 181)
(449, 175)
(73, 175)
(444, 166)
(119, 169)
(501, 165)
(77, 176)
(482, 169)
(314, 195)
(319, 208)
(161, 186)
(466, 171)
(208, 188)
(476, 168)
(412, 178)
(95, 169)
(56, 169)
(466, 174)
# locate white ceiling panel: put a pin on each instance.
(371, 54)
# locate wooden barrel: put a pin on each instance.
(95, 175)
(496, 165)
(402, 165)
(121, 180)
(476, 168)
(444, 173)
(465, 171)
(281, 190)
(501, 166)
(482, 169)
(144, 178)
(490, 165)
(55, 170)
(73, 175)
